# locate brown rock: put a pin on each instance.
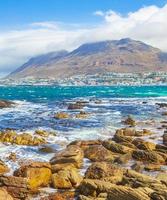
(4, 195)
(12, 157)
(38, 174)
(104, 171)
(98, 153)
(61, 115)
(3, 168)
(144, 145)
(148, 156)
(117, 148)
(165, 139)
(5, 104)
(66, 179)
(72, 155)
(123, 159)
(130, 121)
(76, 106)
(42, 133)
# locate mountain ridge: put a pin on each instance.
(124, 55)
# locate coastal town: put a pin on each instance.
(151, 78)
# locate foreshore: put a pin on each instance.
(130, 165)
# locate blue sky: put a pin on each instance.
(32, 27)
(20, 12)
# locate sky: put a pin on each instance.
(32, 27)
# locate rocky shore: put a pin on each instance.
(126, 166)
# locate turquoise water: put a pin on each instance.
(49, 93)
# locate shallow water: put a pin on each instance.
(36, 105)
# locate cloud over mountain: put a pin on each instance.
(148, 24)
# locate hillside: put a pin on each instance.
(125, 55)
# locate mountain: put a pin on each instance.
(125, 55)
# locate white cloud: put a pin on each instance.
(148, 24)
(99, 13)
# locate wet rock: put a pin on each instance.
(165, 139)
(38, 174)
(148, 156)
(83, 144)
(162, 177)
(47, 149)
(161, 148)
(76, 106)
(98, 153)
(72, 155)
(42, 133)
(12, 157)
(61, 115)
(65, 166)
(3, 167)
(4, 195)
(104, 171)
(66, 179)
(5, 104)
(82, 115)
(117, 148)
(130, 121)
(12, 137)
(60, 196)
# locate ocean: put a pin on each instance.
(107, 107)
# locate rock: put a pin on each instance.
(117, 148)
(61, 115)
(76, 106)
(130, 121)
(162, 105)
(98, 153)
(38, 174)
(66, 179)
(58, 167)
(162, 177)
(5, 104)
(104, 171)
(60, 196)
(12, 137)
(71, 155)
(138, 167)
(148, 156)
(165, 139)
(3, 167)
(42, 133)
(4, 195)
(152, 167)
(91, 188)
(81, 115)
(161, 148)
(85, 144)
(144, 145)
(47, 149)
(123, 159)
(17, 187)
(164, 114)
(12, 157)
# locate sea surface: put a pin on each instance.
(107, 107)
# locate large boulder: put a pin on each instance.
(148, 156)
(144, 145)
(37, 173)
(116, 148)
(66, 179)
(98, 153)
(92, 188)
(104, 171)
(71, 155)
(4, 195)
